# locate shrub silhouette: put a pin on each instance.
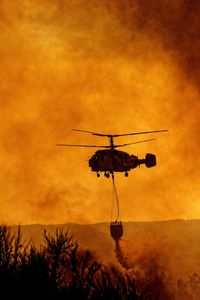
(59, 269)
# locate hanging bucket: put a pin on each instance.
(116, 230)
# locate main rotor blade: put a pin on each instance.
(107, 147)
(116, 146)
(94, 133)
(88, 146)
(142, 132)
(124, 134)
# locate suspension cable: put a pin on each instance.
(116, 197)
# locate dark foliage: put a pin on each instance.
(60, 270)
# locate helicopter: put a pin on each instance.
(110, 160)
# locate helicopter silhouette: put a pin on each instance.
(110, 160)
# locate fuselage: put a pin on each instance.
(112, 160)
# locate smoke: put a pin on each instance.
(147, 263)
(122, 259)
(144, 263)
(121, 66)
(144, 258)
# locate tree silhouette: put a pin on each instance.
(60, 269)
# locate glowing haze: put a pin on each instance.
(106, 66)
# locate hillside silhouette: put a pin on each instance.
(51, 262)
(60, 269)
(174, 243)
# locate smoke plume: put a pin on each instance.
(146, 266)
(122, 259)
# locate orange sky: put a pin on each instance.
(107, 66)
